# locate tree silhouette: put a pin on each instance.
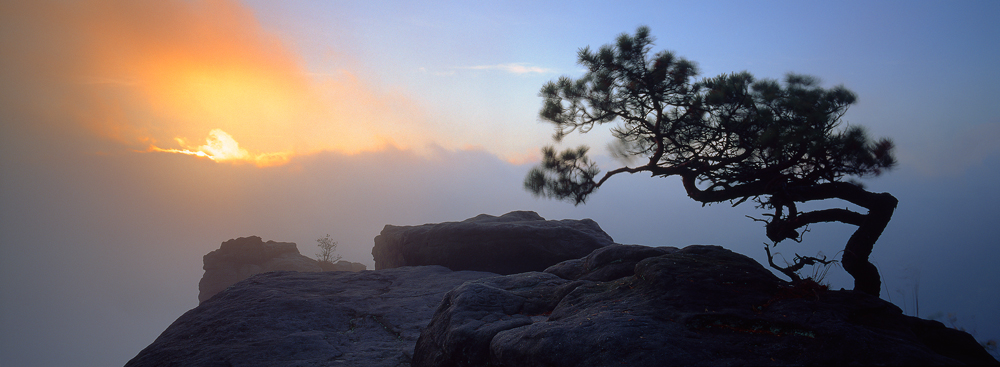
(729, 138)
(327, 248)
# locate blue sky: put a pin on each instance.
(352, 115)
(895, 55)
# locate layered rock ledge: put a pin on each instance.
(515, 242)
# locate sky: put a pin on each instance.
(135, 137)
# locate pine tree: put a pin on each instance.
(731, 138)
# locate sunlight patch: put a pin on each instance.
(221, 147)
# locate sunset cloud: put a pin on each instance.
(151, 75)
(221, 147)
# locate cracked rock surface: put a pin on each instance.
(368, 318)
(627, 305)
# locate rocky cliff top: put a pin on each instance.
(368, 318)
(700, 305)
(613, 305)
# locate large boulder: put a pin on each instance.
(607, 263)
(700, 305)
(239, 258)
(368, 318)
(515, 242)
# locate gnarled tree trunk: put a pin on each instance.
(870, 226)
(859, 246)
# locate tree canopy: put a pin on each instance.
(729, 138)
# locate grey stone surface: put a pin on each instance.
(700, 305)
(607, 263)
(515, 242)
(368, 318)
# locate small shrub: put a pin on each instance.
(327, 248)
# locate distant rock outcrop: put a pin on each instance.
(368, 318)
(239, 258)
(700, 305)
(515, 242)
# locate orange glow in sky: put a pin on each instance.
(221, 147)
(155, 75)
